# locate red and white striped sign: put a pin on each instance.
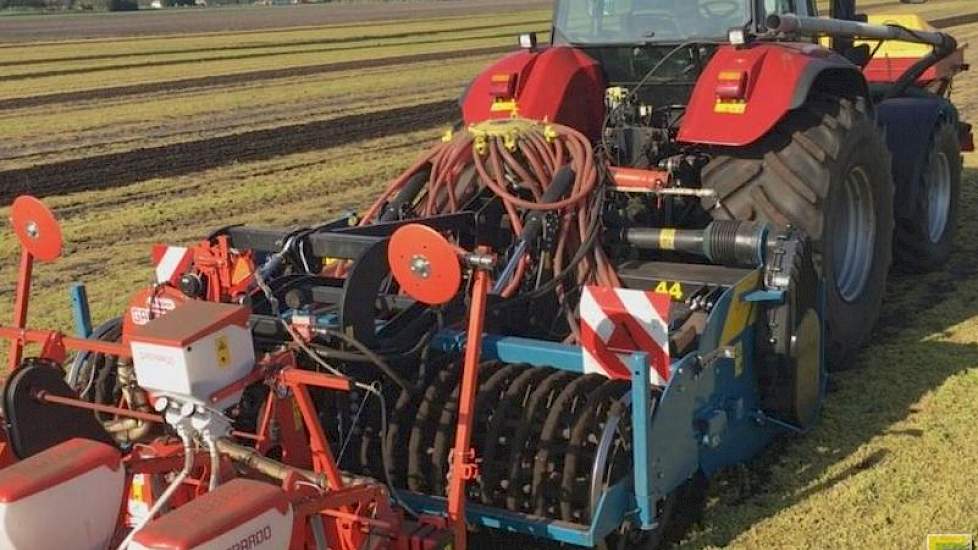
(171, 262)
(616, 322)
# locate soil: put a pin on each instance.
(115, 169)
(235, 19)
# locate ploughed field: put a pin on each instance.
(148, 127)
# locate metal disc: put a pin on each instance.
(425, 264)
(36, 228)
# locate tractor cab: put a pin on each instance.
(629, 38)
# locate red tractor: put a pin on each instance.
(626, 270)
(858, 144)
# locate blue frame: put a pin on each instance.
(709, 412)
(80, 310)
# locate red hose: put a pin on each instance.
(518, 174)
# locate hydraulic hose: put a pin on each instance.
(519, 162)
(188, 465)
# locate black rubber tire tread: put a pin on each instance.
(488, 403)
(913, 251)
(585, 435)
(444, 441)
(548, 466)
(796, 176)
(423, 431)
(399, 435)
(501, 433)
(524, 447)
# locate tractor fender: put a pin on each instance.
(909, 124)
(559, 84)
(744, 92)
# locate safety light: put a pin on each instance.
(737, 37)
(502, 85)
(731, 85)
(528, 41)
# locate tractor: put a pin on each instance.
(630, 265)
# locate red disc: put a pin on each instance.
(425, 264)
(36, 228)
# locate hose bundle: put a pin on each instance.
(517, 161)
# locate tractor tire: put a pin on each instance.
(824, 169)
(924, 240)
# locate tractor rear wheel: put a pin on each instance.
(826, 170)
(923, 241)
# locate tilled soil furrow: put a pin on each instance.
(224, 58)
(955, 20)
(257, 45)
(238, 78)
(234, 20)
(115, 169)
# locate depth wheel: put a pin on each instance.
(826, 170)
(924, 240)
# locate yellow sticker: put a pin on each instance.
(674, 290)
(950, 542)
(503, 105)
(137, 486)
(741, 313)
(296, 415)
(667, 239)
(223, 352)
(730, 107)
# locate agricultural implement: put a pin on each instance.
(630, 266)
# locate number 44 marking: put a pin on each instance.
(674, 290)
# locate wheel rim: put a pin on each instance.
(938, 196)
(854, 236)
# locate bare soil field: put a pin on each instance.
(42, 28)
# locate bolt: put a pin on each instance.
(420, 266)
(32, 230)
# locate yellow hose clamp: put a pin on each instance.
(508, 130)
(480, 145)
(549, 133)
(510, 140)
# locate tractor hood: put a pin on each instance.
(560, 84)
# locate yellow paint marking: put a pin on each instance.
(667, 239)
(730, 107)
(674, 290)
(223, 352)
(741, 313)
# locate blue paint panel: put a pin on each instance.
(512, 349)
(611, 511)
(641, 438)
(80, 310)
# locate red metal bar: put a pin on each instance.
(46, 397)
(463, 461)
(638, 180)
(20, 307)
(23, 335)
(317, 379)
(322, 457)
(252, 377)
